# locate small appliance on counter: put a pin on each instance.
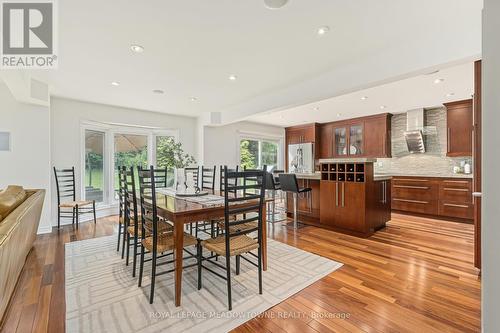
(301, 158)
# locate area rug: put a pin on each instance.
(102, 296)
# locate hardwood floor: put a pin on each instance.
(416, 275)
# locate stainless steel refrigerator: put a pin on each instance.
(301, 158)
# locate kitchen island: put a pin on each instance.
(346, 196)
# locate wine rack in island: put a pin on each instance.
(350, 200)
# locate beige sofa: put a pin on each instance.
(17, 233)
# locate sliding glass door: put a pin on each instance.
(130, 150)
(94, 165)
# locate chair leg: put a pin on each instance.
(238, 260)
(77, 216)
(200, 252)
(134, 261)
(58, 217)
(141, 265)
(228, 273)
(73, 221)
(196, 230)
(128, 249)
(119, 235)
(93, 206)
(259, 264)
(125, 231)
(153, 277)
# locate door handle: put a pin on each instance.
(336, 194)
(343, 194)
(477, 194)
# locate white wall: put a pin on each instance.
(68, 115)
(28, 162)
(490, 232)
(221, 143)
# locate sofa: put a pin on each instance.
(20, 212)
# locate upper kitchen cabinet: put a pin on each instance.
(459, 122)
(348, 139)
(378, 136)
(326, 141)
(301, 134)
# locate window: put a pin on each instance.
(255, 153)
(164, 154)
(131, 150)
(94, 165)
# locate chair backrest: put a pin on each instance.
(245, 208)
(288, 182)
(65, 184)
(271, 182)
(221, 177)
(249, 180)
(161, 176)
(130, 195)
(208, 178)
(196, 174)
(149, 213)
(121, 191)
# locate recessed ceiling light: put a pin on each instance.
(193, 99)
(275, 4)
(158, 91)
(323, 30)
(437, 81)
(232, 77)
(281, 116)
(137, 48)
(316, 108)
(383, 107)
(115, 83)
(364, 98)
(339, 114)
(450, 94)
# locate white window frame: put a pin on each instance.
(109, 131)
(279, 139)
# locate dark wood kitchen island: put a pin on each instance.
(346, 196)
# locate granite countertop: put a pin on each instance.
(348, 160)
(451, 175)
(314, 176)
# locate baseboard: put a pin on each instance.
(44, 230)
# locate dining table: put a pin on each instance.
(183, 210)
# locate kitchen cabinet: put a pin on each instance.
(302, 134)
(326, 141)
(441, 197)
(359, 137)
(459, 128)
(381, 203)
(377, 134)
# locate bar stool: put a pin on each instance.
(272, 185)
(288, 183)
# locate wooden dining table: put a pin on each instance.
(181, 211)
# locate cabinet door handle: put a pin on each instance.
(343, 194)
(412, 201)
(410, 180)
(336, 194)
(385, 191)
(457, 181)
(455, 205)
(456, 189)
(413, 187)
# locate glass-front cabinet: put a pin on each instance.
(349, 140)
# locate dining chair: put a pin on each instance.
(65, 186)
(133, 218)
(207, 184)
(235, 242)
(121, 208)
(196, 174)
(159, 244)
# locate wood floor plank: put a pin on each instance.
(416, 275)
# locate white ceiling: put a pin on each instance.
(192, 46)
(417, 92)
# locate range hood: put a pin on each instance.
(414, 131)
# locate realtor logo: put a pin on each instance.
(28, 34)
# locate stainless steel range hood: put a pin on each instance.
(414, 131)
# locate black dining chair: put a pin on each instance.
(289, 184)
(235, 242)
(121, 209)
(66, 188)
(196, 174)
(158, 243)
(208, 179)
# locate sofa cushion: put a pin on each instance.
(10, 198)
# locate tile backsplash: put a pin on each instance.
(433, 162)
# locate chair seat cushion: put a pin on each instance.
(166, 242)
(162, 227)
(237, 245)
(10, 199)
(71, 204)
